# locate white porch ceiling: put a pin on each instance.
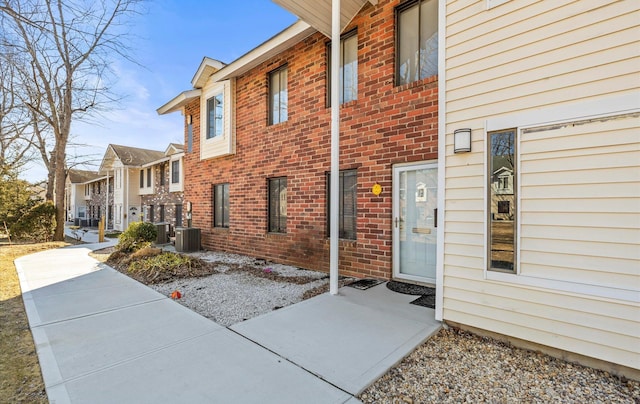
(317, 13)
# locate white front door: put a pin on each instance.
(414, 222)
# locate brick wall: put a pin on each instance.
(384, 126)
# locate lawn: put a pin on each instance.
(20, 376)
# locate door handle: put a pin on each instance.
(435, 217)
(396, 222)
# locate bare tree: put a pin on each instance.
(62, 54)
(15, 141)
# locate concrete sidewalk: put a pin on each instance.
(103, 337)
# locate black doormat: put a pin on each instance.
(426, 301)
(410, 289)
(364, 284)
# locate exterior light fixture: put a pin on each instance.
(462, 140)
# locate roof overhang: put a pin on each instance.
(207, 68)
(317, 13)
(179, 101)
(268, 49)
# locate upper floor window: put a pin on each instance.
(278, 205)
(348, 74)
(148, 177)
(417, 41)
(162, 174)
(278, 96)
(141, 178)
(215, 116)
(175, 171)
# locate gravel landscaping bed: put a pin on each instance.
(455, 366)
(243, 288)
(230, 288)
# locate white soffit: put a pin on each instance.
(179, 101)
(207, 68)
(270, 48)
(318, 12)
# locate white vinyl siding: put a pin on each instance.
(224, 143)
(562, 229)
(564, 74)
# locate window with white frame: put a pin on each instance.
(416, 41)
(502, 201)
(215, 116)
(175, 171)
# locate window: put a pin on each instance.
(175, 171)
(161, 208)
(278, 96)
(502, 223)
(141, 178)
(215, 116)
(152, 214)
(504, 207)
(189, 134)
(162, 174)
(417, 41)
(86, 190)
(149, 177)
(110, 212)
(348, 75)
(98, 188)
(348, 200)
(221, 205)
(278, 205)
(178, 215)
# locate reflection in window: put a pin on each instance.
(348, 74)
(215, 116)
(278, 96)
(221, 205)
(348, 198)
(417, 41)
(502, 155)
(278, 205)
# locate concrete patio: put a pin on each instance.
(103, 337)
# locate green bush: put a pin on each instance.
(37, 223)
(137, 236)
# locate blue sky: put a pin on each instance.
(172, 38)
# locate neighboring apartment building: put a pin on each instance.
(161, 198)
(147, 184)
(258, 155)
(85, 196)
